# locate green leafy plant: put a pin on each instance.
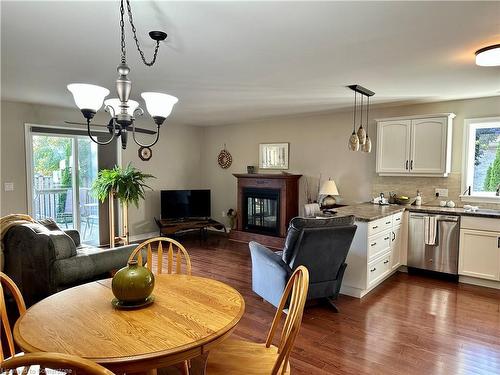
(127, 184)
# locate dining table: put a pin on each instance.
(189, 316)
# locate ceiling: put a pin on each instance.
(229, 62)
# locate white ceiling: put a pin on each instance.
(234, 61)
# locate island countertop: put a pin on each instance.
(370, 211)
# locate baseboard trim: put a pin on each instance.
(479, 282)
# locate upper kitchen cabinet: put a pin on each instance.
(415, 145)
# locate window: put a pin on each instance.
(482, 157)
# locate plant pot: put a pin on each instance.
(133, 284)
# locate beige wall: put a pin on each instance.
(175, 161)
(318, 145)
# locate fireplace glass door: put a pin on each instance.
(261, 211)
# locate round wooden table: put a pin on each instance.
(189, 316)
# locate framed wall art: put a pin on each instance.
(273, 155)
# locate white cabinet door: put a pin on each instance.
(479, 254)
(429, 145)
(393, 146)
(396, 244)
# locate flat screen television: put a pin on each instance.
(178, 204)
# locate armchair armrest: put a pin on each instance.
(269, 273)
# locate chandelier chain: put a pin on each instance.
(131, 20)
(122, 29)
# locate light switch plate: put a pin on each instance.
(8, 186)
(442, 192)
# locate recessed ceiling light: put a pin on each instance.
(488, 56)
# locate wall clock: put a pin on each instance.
(224, 159)
(145, 153)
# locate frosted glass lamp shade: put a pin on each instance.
(367, 147)
(88, 97)
(488, 56)
(361, 135)
(329, 188)
(115, 104)
(353, 142)
(159, 105)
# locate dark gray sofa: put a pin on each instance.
(42, 259)
(321, 245)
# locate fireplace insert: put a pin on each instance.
(261, 211)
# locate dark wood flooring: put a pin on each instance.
(408, 325)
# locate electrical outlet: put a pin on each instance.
(442, 192)
(8, 186)
(223, 214)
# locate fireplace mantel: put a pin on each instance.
(286, 184)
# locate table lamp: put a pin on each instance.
(329, 190)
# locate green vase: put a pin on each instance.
(133, 284)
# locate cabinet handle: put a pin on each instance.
(406, 165)
(373, 270)
(385, 262)
(386, 238)
(393, 236)
(398, 219)
(375, 227)
(411, 165)
(373, 244)
(387, 222)
(498, 242)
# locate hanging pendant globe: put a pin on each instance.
(367, 147)
(361, 135)
(353, 142)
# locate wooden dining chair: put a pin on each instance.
(176, 253)
(234, 357)
(7, 340)
(62, 363)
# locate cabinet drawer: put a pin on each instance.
(378, 269)
(397, 219)
(379, 225)
(378, 244)
(480, 223)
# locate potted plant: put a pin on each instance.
(128, 185)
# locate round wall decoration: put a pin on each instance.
(145, 153)
(224, 159)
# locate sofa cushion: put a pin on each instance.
(89, 263)
(49, 223)
(63, 245)
(297, 224)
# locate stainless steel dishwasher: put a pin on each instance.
(443, 255)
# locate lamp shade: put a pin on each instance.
(115, 104)
(329, 188)
(158, 104)
(88, 97)
(488, 56)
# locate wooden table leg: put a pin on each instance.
(199, 365)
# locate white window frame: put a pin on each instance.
(471, 125)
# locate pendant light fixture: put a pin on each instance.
(367, 147)
(89, 98)
(361, 131)
(354, 140)
(359, 140)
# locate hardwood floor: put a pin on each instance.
(408, 325)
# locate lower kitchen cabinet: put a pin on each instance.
(479, 254)
(376, 253)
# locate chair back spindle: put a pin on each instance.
(177, 257)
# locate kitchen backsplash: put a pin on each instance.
(426, 185)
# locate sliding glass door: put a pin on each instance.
(63, 168)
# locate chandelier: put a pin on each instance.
(360, 140)
(123, 111)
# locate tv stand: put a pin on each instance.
(170, 227)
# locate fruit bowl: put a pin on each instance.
(402, 200)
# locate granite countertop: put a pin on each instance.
(370, 211)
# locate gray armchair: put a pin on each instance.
(321, 245)
(42, 259)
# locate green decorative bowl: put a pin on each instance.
(133, 284)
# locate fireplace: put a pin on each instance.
(266, 204)
(261, 211)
